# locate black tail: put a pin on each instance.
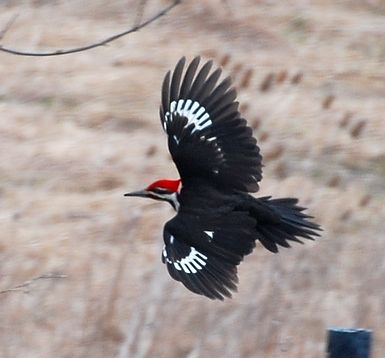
(280, 221)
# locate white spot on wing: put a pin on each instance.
(209, 233)
(165, 255)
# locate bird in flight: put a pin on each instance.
(217, 221)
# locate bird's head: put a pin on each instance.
(164, 190)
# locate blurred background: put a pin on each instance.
(80, 269)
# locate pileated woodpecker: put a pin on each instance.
(217, 221)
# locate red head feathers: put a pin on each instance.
(170, 185)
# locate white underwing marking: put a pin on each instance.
(165, 255)
(206, 116)
(194, 107)
(199, 267)
(179, 106)
(190, 267)
(192, 262)
(193, 111)
(187, 106)
(202, 262)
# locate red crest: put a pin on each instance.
(170, 185)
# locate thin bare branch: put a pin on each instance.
(135, 28)
(7, 26)
(25, 285)
(140, 12)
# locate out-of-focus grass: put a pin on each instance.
(77, 132)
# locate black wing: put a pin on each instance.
(205, 257)
(207, 137)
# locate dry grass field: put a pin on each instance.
(78, 131)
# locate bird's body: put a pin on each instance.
(217, 222)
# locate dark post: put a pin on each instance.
(348, 343)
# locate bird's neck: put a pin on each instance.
(173, 199)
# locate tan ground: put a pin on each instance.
(78, 131)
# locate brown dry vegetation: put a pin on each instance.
(78, 131)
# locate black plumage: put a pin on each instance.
(223, 151)
(217, 222)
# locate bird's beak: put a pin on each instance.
(140, 193)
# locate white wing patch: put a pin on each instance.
(190, 264)
(193, 111)
(210, 234)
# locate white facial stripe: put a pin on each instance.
(173, 197)
(189, 264)
(193, 111)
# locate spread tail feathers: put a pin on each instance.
(280, 221)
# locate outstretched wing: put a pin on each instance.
(205, 257)
(207, 137)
